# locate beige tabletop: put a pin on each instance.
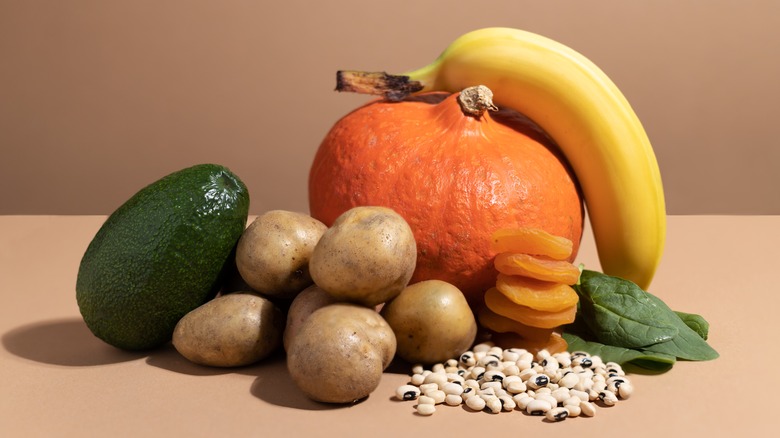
(56, 379)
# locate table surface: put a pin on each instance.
(56, 379)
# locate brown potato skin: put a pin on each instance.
(273, 253)
(432, 322)
(229, 331)
(340, 352)
(304, 304)
(367, 256)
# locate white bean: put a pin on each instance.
(453, 400)
(426, 409)
(426, 400)
(588, 409)
(475, 403)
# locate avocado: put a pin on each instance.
(160, 254)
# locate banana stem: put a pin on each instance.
(392, 87)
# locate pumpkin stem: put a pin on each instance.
(474, 101)
(392, 87)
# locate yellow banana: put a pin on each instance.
(587, 116)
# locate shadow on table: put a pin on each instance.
(66, 342)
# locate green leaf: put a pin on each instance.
(688, 344)
(621, 314)
(696, 322)
(644, 359)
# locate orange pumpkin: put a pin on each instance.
(455, 178)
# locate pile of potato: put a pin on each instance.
(337, 299)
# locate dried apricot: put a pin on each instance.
(538, 295)
(553, 344)
(499, 303)
(528, 240)
(559, 271)
(501, 324)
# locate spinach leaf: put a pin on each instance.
(621, 314)
(608, 353)
(688, 344)
(696, 322)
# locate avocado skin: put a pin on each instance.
(160, 254)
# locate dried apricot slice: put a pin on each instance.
(529, 240)
(553, 344)
(536, 294)
(501, 324)
(559, 271)
(499, 303)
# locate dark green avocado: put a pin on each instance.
(160, 254)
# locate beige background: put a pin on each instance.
(99, 98)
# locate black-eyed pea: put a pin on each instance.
(493, 376)
(494, 386)
(477, 372)
(524, 365)
(493, 405)
(455, 378)
(538, 407)
(418, 369)
(556, 414)
(582, 361)
(467, 359)
(407, 392)
(487, 392)
(538, 381)
(507, 403)
(471, 383)
(564, 359)
(468, 392)
(608, 398)
(599, 386)
(625, 390)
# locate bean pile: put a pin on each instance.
(491, 379)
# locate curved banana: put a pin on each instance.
(587, 116)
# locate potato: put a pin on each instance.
(309, 300)
(229, 331)
(367, 256)
(432, 322)
(340, 352)
(273, 253)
